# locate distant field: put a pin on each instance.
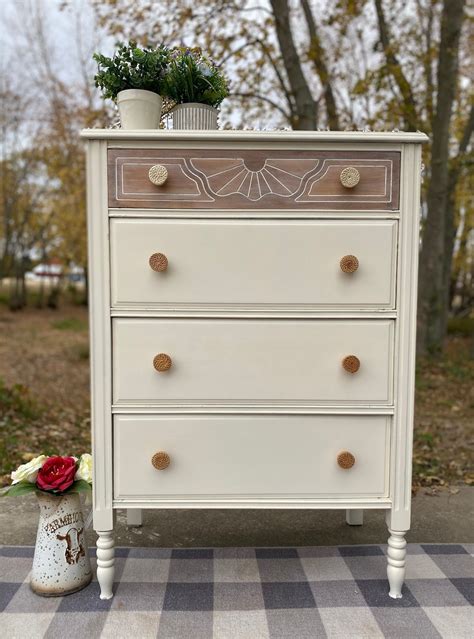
(44, 396)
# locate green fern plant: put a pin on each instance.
(192, 77)
(131, 68)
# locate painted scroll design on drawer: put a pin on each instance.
(325, 185)
(231, 176)
(252, 180)
(192, 187)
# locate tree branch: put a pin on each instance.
(264, 98)
(412, 121)
(467, 133)
(305, 108)
(317, 56)
(281, 79)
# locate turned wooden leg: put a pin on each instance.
(396, 554)
(355, 517)
(134, 517)
(105, 563)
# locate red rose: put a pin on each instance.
(57, 474)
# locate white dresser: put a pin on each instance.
(253, 302)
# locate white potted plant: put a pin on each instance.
(196, 86)
(133, 78)
(61, 561)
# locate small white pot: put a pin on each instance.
(194, 115)
(61, 562)
(139, 109)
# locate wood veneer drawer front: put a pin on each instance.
(212, 263)
(254, 179)
(251, 361)
(287, 455)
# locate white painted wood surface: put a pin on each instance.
(230, 263)
(245, 291)
(252, 361)
(242, 455)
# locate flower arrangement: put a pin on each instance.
(53, 475)
(192, 77)
(131, 68)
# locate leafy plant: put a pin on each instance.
(131, 68)
(192, 77)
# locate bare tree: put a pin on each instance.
(438, 233)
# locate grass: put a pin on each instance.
(44, 397)
(444, 417)
(44, 394)
(461, 326)
(70, 324)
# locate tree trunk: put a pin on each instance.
(453, 177)
(306, 108)
(318, 56)
(433, 293)
(394, 67)
(86, 285)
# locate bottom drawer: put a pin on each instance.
(248, 455)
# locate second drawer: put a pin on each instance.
(158, 361)
(256, 264)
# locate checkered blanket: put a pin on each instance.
(250, 593)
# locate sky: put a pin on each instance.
(61, 27)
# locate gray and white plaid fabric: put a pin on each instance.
(250, 593)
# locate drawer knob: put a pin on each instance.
(162, 362)
(158, 174)
(158, 262)
(351, 364)
(161, 460)
(349, 264)
(345, 459)
(350, 177)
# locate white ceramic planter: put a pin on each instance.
(194, 116)
(139, 109)
(61, 563)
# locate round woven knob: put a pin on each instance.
(349, 264)
(345, 459)
(158, 174)
(349, 177)
(158, 262)
(351, 364)
(162, 362)
(161, 460)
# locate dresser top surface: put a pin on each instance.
(163, 135)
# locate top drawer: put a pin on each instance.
(254, 179)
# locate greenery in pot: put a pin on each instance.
(192, 77)
(131, 68)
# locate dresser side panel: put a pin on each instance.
(405, 338)
(100, 333)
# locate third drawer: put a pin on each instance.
(164, 456)
(253, 263)
(200, 361)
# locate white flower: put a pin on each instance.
(85, 468)
(29, 471)
(205, 70)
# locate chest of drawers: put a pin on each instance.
(253, 302)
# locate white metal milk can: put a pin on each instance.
(61, 562)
